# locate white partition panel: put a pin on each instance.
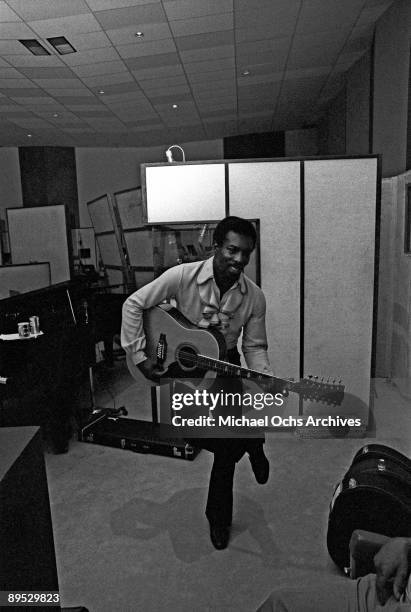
(270, 191)
(40, 234)
(21, 278)
(340, 213)
(187, 192)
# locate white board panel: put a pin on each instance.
(340, 209)
(108, 248)
(175, 193)
(270, 191)
(129, 206)
(100, 214)
(22, 278)
(40, 234)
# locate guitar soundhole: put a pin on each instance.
(187, 357)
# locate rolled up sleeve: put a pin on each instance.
(254, 342)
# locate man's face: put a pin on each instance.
(232, 256)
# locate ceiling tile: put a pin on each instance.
(211, 23)
(153, 84)
(159, 71)
(48, 72)
(171, 90)
(55, 83)
(116, 18)
(96, 69)
(371, 14)
(211, 53)
(63, 26)
(223, 87)
(12, 47)
(32, 10)
(186, 9)
(317, 15)
(63, 91)
(103, 54)
(152, 61)
(15, 83)
(15, 30)
(10, 73)
(130, 87)
(226, 63)
(152, 31)
(29, 60)
(307, 72)
(78, 130)
(31, 122)
(89, 40)
(33, 100)
(107, 79)
(170, 99)
(76, 103)
(281, 15)
(102, 5)
(203, 41)
(7, 14)
(261, 31)
(123, 97)
(214, 77)
(165, 45)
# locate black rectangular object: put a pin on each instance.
(135, 435)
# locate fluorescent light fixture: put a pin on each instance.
(34, 46)
(61, 45)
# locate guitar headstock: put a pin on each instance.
(315, 389)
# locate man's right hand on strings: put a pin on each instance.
(150, 369)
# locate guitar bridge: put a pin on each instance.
(161, 350)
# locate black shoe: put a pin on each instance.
(260, 465)
(219, 536)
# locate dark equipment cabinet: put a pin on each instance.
(42, 376)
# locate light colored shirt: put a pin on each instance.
(193, 287)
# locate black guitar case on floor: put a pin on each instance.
(375, 495)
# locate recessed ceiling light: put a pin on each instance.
(55, 114)
(29, 135)
(61, 45)
(34, 46)
(101, 91)
(139, 34)
(175, 105)
(245, 72)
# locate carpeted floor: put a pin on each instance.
(130, 531)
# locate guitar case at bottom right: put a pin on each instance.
(375, 495)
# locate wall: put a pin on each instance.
(106, 170)
(391, 68)
(10, 181)
(301, 143)
(332, 128)
(358, 107)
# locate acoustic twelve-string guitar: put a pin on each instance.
(176, 344)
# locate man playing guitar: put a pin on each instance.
(212, 293)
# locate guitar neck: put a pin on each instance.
(229, 369)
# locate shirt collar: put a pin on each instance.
(206, 273)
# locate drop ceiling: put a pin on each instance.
(203, 69)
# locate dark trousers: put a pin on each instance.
(227, 451)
